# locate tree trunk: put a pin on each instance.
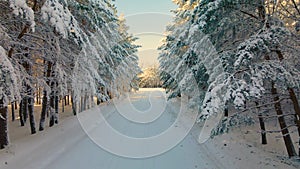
(263, 129)
(3, 125)
(44, 111)
(226, 109)
(25, 109)
(65, 99)
(13, 118)
(29, 99)
(63, 103)
(73, 105)
(56, 109)
(92, 101)
(284, 130)
(81, 104)
(16, 105)
(297, 116)
(84, 102)
(31, 114)
(52, 109)
(262, 126)
(45, 107)
(37, 96)
(88, 102)
(21, 113)
(98, 101)
(294, 100)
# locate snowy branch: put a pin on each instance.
(279, 131)
(1, 117)
(263, 105)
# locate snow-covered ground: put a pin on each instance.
(68, 146)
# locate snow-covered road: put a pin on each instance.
(67, 146)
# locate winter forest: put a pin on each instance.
(54, 49)
(244, 57)
(236, 58)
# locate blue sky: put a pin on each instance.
(147, 20)
(129, 7)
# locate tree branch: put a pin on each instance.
(262, 105)
(249, 14)
(295, 5)
(279, 131)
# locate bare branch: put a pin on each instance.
(296, 7)
(249, 14)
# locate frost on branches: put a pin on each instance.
(9, 83)
(20, 8)
(231, 54)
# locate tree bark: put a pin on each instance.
(16, 105)
(294, 100)
(52, 108)
(98, 101)
(63, 102)
(3, 125)
(74, 109)
(262, 126)
(263, 130)
(65, 99)
(56, 109)
(44, 111)
(21, 114)
(226, 114)
(73, 105)
(24, 109)
(81, 104)
(29, 98)
(13, 117)
(284, 130)
(297, 116)
(31, 114)
(45, 107)
(85, 102)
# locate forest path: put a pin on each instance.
(67, 146)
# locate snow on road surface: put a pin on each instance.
(67, 146)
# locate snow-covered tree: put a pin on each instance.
(9, 85)
(240, 50)
(63, 47)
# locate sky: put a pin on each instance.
(147, 20)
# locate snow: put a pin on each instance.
(9, 83)
(60, 18)
(67, 146)
(20, 8)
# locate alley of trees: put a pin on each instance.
(240, 58)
